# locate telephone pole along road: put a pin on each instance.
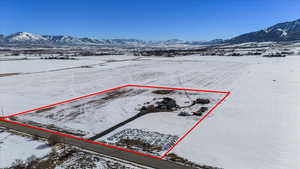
(108, 151)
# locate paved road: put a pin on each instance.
(120, 154)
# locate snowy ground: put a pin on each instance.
(169, 122)
(36, 65)
(92, 115)
(256, 127)
(88, 160)
(14, 147)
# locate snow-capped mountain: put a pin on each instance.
(30, 38)
(62, 39)
(287, 31)
(24, 37)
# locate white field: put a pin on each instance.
(36, 65)
(256, 127)
(14, 147)
(98, 116)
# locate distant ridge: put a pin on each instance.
(26, 38)
(286, 31)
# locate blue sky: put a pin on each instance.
(145, 19)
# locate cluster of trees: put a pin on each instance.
(26, 164)
(58, 57)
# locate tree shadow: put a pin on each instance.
(42, 146)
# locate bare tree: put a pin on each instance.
(18, 164)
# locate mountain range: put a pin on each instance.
(287, 31)
(26, 38)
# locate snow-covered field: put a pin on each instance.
(256, 127)
(92, 115)
(13, 147)
(36, 65)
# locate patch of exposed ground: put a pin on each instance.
(175, 158)
(163, 92)
(69, 157)
(8, 74)
(142, 140)
(44, 110)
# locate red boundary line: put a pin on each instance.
(55, 104)
(196, 124)
(78, 138)
(227, 93)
